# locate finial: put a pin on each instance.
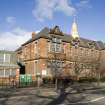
(74, 18)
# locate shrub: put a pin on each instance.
(86, 79)
(102, 79)
(47, 80)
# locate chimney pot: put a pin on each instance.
(33, 35)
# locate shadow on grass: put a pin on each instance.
(63, 97)
(5, 94)
(101, 92)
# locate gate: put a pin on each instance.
(26, 80)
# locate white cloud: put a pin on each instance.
(13, 39)
(11, 20)
(47, 8)
(84, 4)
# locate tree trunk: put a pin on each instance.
(56, 83)
(77, 77)
(98, 80)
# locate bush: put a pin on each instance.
(85, 79)
(102, 79)
(47, 80)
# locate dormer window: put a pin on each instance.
(56, 40)
(91, 45)
(56, 30)
(75, 42)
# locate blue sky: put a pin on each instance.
(18, 18)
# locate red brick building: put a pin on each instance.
(73, 55)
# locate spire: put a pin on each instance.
(74, 30)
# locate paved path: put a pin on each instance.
(46, 96)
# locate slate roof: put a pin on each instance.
(20, 48)
(45, 33)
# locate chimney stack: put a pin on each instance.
(33, 35)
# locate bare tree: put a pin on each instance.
(100, 68)
(78, 68)
(78, 64)
(56, 66)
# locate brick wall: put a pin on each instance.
(38, 50)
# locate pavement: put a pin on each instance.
(77, 94)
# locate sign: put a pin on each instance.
(44, 72)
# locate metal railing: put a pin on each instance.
(11, 82)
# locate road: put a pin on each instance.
(45, 96)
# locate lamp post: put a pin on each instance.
(38, 75)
